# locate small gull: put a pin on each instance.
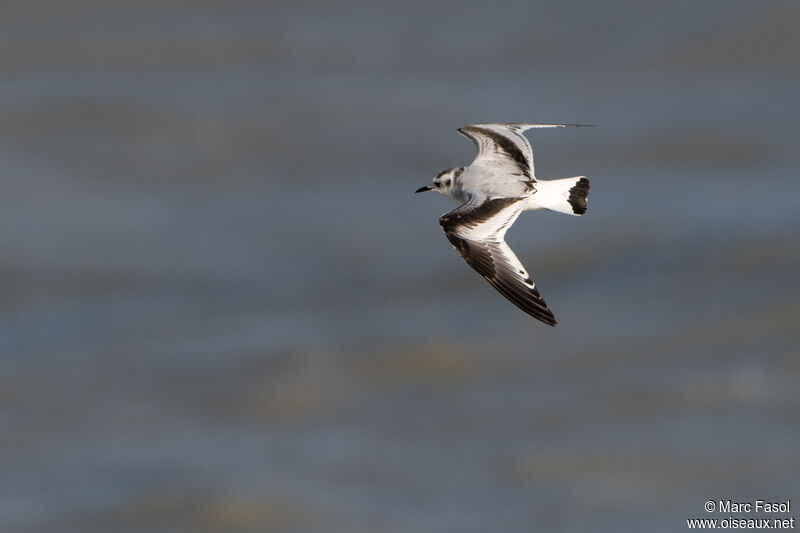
(493, 190)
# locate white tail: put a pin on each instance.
(567, 195)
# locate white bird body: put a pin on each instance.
(493, 190)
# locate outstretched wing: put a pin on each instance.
(504, 145)
(477, 231)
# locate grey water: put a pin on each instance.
(224, 309)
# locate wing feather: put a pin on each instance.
(505, 145)
(477, 232)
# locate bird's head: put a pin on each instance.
(444, 182)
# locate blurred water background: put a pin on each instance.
(224, 309)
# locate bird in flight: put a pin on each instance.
(493, 190)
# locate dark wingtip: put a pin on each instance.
(547, 317)
(550, 320)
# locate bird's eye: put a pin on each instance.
(447, 183)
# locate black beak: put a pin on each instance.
(423, 189)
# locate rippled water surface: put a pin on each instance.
(224, 309)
